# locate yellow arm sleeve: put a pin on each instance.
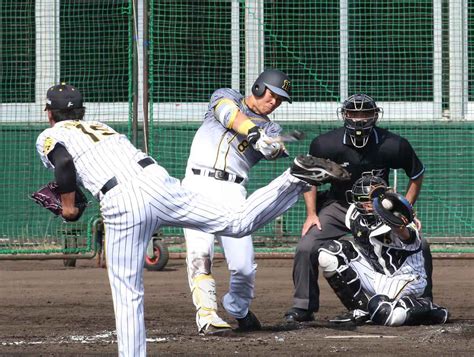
(245, 127)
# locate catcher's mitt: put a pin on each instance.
(49, 198)
(394, 209)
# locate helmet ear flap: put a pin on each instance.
(349, 196)
(275, 81)
(258, 89)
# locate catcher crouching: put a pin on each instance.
(380, 277)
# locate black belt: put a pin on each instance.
(218, 175)
(113, 181)
(147, 161)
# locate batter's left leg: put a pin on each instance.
(240, 258)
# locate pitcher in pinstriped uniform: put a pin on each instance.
(137, 197)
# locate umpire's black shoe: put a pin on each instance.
(249, 323)
(316, 171)
(296, 314)
(357, 317)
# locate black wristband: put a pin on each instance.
(253, 135)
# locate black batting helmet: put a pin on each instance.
(364, 190)
(359, 127)
(276, 81)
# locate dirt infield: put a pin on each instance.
(49, 310)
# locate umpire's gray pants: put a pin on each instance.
(305, 265)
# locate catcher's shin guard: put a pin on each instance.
(408, 310)
(341, 277)
(205, 300)
(422, 311)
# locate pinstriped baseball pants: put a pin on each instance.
(134, 210)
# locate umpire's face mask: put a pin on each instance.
(359, 125)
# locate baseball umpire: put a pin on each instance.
(218, 167)
(381, 275)
(359, 146)
(137, 197)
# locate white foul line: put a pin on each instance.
(359, 336)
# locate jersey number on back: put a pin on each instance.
(95, 132)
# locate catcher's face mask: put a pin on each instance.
(364, 191)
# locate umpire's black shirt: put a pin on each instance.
(384, 151)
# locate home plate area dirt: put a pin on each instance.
(50, 310)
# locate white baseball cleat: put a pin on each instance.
(214, 325)
(317, 171)
(211, 330)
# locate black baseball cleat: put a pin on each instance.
(317, 171)
(438, 316)
(357, 317)
(295, 315)
(249, 323)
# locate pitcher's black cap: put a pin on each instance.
(63, 96)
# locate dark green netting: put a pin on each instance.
(196, 47)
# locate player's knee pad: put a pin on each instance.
(384, 311)
(334, 254)
(328, 262)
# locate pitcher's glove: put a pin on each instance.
(49, 198)
(393, 209)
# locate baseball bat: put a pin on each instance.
(292, 136)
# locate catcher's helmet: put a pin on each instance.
(360, 114)
(276, 81)
(364, 190)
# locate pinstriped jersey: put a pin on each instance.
(217, 146)
(382, 246)
(98, 151)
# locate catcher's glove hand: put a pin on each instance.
(49, 198)
(393, 209)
